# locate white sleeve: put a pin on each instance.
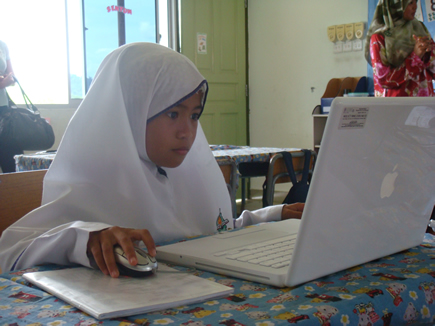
(63, 245)
(266, 214)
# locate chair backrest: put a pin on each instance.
(278, 173)
(20, 193)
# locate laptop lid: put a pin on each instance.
(373, 187)
(371, 195)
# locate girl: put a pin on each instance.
(134, 155)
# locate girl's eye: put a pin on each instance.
(173, 115)
(195, 116)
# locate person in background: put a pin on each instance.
(142, 171)
(7, 149)
(400, 50)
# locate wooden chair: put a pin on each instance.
(277, 172)
(229, 170)
(20, 193)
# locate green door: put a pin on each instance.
(213, 37)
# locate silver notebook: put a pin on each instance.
(371, 195)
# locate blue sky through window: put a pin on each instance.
(101, 22)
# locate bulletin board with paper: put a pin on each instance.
(430, 14)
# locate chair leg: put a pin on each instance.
(243, 194)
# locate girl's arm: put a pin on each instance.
(23, 245)
(270, 213)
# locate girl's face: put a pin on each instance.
(410, 10)
(170, 135)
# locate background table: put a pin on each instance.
(395, 290)
(250, 161)
(38, 161)
(239, 154)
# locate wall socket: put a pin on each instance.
(357, 45)
(338, 47)
(347, 47)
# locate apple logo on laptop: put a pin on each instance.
(387, 186)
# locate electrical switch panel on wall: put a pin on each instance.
(359, 30)
(346, 37)
(359, 33)
(340, 32)
(348, 29)
(331, 33)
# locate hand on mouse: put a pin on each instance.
(100, 245)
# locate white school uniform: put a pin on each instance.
(102, 176)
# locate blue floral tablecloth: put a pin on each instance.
(395, 290)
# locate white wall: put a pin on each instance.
(289, 53)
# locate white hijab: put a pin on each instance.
(102, 174)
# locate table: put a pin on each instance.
(250, 161)
(395, 290)
(239, 154)
(38, 161)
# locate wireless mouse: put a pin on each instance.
(146, 264)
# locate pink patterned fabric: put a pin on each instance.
(412, 78)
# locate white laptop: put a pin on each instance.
(371, 195)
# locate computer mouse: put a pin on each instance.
(146, 264)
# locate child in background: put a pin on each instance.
(134, 165)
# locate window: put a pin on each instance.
(56, 48)
(36, 38)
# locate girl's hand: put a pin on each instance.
(292, 211)
(422, 45)
(100, 246)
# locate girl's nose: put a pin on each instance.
(185, 129)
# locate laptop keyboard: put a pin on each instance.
(275, 253)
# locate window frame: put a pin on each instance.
(173, 42)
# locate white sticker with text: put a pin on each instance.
(353, 118)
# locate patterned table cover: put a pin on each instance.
(38, 161)
(245, 154)
(222, 153)
(395, 290)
